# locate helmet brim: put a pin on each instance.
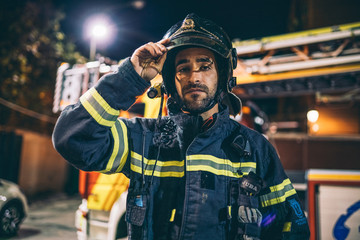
(198, 40)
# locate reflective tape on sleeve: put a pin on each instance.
(120, 149)
(98, 108)
(278, 193)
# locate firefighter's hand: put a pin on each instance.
(149, 59)
(249, 215)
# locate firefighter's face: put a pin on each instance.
(196, 77)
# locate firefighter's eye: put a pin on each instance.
(183, 70)
(205, 67)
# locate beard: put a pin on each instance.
(197, 102)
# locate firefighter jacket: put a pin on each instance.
(181, 178)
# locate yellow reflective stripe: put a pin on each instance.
(103, 103)
(103, 113)
(278, 199)
(172, 215)
(287, 227)
(126, 147)
(218, 166)
(159, 163)
(280, 186)
(222, 161)
(162, 168)
(199, 162)
(115, 149)
(95, 115)
(214, 170)
(157, 173)
(120, 148)
(278, 193)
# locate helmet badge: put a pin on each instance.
(188, 24)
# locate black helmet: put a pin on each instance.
(200, 32)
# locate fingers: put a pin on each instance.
(158, 48)
(249, 215)
(259, 217)
(164, 41)
(254, 215)
(154, 49)
(242, 215)
(149, 59)
(152, 56)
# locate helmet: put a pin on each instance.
(194, 31)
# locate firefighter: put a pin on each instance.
(196, 173)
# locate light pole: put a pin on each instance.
(98, 31)
(92, 48)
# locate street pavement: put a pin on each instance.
(51, 218)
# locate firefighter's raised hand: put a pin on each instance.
(149, 59)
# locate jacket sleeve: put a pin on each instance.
(89, 134)
(283, 217)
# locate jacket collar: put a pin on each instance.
(184, 120)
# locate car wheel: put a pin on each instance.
(11, 216)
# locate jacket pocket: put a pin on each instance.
(136, 209)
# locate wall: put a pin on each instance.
(42, 169)
(302, 152)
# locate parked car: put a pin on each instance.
(13, 208)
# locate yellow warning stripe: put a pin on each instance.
(278, 193)
(287, 227)
(120, 149)
(246, 78)
(98, 108)
(172, 215)
(333, 177)
(157, 173)
(289, 36)
(221, 161)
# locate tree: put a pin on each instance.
(32, 46)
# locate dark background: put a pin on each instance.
(36, 36)
(241, 19)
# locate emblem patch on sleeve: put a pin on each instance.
(298, 212)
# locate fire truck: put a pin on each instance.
(320, 61)
(322, 163)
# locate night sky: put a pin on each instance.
(134, 27)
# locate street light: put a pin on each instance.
(97, 28)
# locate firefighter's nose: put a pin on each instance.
(195, 77)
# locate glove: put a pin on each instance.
(249, 215)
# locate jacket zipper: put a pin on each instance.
(182, 228)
